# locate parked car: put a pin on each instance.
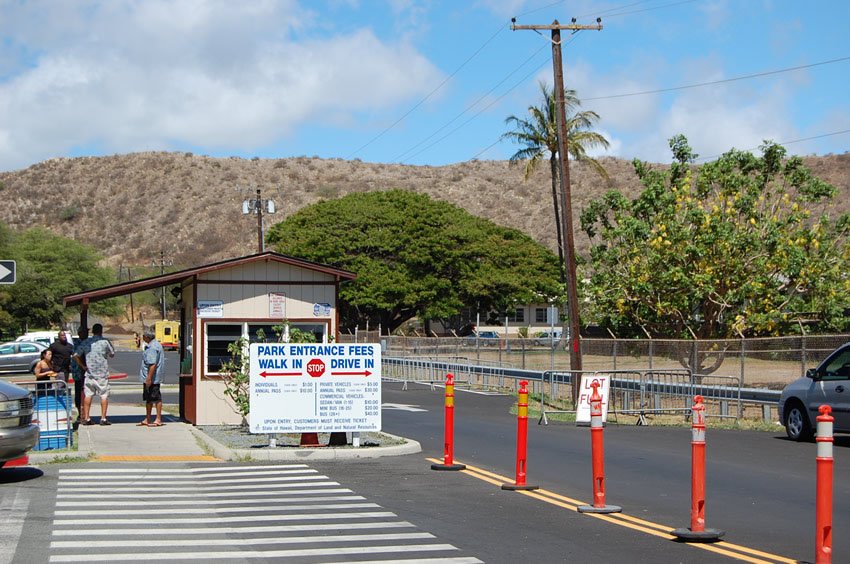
(548, 339)
(18, 434)
(827, 384)
(484, 339)
(20, 356)
(46, 338)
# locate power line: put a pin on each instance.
(472, 105)
(428, 96)
(670, 5)
(493, 102)
(484, 109)
(721, 81)
(783, 143)
(612, 12)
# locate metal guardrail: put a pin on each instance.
(52, 411)
(637, 392)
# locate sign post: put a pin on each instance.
(315, 387)
(8, 271)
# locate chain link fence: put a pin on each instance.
(769, 362)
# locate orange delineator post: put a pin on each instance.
(697, 531)
(448, 443)
(597, 447)
(823, 507)
(521, 441)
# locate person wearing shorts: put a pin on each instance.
(96, 353)
(150, 375)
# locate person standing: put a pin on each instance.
(79, 358)
(44, 371)
(62, 352)
(96, 352)
(150, 375)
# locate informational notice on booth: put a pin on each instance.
(315, 387)
(584, 393)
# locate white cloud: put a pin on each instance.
(202, 72)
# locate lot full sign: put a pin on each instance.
(321, 388)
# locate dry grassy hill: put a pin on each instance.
(130, 207)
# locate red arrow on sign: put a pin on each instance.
(264, 374)
(364, 373)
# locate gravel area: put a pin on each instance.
(238, 437)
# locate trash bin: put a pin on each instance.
(50, 413)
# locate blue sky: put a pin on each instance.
(419, 82)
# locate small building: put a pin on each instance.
(248, 297)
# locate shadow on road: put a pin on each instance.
(17, 474)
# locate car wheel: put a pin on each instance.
(797, 425)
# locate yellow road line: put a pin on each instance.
(628, 521)
(202, 458)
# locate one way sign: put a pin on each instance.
(7, 272)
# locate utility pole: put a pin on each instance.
(261, 244)
(162, 264)
(566, 199)
(256, 205)
(129, 279)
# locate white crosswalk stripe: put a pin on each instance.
(286, 512)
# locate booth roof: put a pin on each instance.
(170, 278)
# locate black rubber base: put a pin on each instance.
(516, 488)
(603, 509)
(687, 535)
(448, 467)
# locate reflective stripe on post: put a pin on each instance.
(697, 532)
(448, 442)
(521, 441)
(597, 446)
(823, 510)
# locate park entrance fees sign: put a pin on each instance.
(305, 388)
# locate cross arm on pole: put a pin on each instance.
(556, 25)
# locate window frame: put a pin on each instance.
(245, 333)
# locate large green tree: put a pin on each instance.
(48, 267)
(538, 136)
(742, 246)
(417, 257)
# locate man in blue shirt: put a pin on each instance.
(150, 375)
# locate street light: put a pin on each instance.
(256, 206)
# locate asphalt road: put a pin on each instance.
(761, 490)
(760, 486)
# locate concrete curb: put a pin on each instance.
(301, 454)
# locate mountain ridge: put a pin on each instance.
(130, 207)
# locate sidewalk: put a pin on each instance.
(177, 441)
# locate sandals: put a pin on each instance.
(155, 425)
(142, 424)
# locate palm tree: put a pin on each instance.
(539, 136)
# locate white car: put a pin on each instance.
(828, 384)
(46, 338)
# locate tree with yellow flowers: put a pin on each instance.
(742, 246)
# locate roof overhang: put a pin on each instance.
(182, 276)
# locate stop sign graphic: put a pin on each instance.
(315, 367)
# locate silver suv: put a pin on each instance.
(18, 434)
(827, 384)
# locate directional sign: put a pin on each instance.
(7, 272)
(305, 388)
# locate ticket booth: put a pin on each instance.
(248, 297)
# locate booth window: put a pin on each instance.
(220, 335)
